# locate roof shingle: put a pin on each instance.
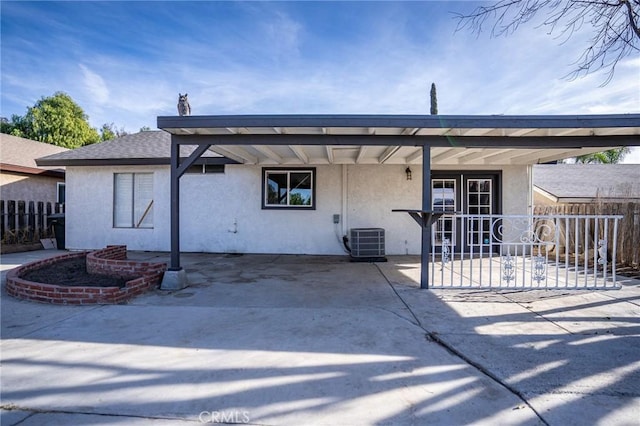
(147, 147)
(588, 181)
(23, 152)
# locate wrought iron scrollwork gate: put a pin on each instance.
(526, 252)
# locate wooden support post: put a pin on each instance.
(426, 228)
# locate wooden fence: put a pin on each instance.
(25, 222)
(628, 235)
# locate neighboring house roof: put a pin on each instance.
(587, 182)
(18, 155)
(143, 148)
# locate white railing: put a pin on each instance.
(524, 252)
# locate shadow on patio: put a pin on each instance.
(319, 340)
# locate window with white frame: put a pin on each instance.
(133, 200)
(289, 188)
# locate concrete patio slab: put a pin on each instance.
(281, 366)
(66, 419)
(278, 340)
(574, 356)
(19, 318)
(13, 417)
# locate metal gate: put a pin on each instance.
(524, 252)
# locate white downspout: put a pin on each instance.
(345, 192)
(530, 191)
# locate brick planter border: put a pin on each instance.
(111, 260)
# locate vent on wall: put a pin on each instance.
(367, 242)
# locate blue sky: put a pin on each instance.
(126, 62)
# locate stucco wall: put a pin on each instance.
(28, 188)
(222, 212)
(516, 191)
(89, 210)
(373, 192)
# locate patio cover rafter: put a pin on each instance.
(268, 152)
(299, 152)
(235, 153)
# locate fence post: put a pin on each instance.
(42, 230)
(11, 216)
(48, 214)
(612, 209)
(31, 220)
(22, 217)
(635, 219)
(3, 217)
(622, 247)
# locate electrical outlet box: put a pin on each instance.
(336, 218)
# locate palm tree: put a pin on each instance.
(612, 156)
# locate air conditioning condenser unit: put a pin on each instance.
(367, 244)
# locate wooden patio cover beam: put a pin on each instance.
(534, 142)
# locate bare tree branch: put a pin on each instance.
(615, 25)
(633, 17)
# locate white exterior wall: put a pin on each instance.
(516, 190)
(374, 191)
(89, 210)
(223, 213)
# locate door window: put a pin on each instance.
(443, 192)
(479, 202)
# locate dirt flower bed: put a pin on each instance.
(72, 273)
(84, 278)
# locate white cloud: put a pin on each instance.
(633, 157)
(275, 61)
(95, 85)
(282, 34)
(394, 76)
(520, 74)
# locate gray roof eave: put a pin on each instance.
(125, 161)
(401, 121)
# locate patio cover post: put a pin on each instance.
(426, 226)
(175, 207)
(175, 278)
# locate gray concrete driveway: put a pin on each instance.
(290, 340)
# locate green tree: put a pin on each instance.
(434, 100)
(296, 199)
(15, 127)
(57, 120)
(109, 131)
(612, 156)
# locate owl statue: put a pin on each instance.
(183, 105)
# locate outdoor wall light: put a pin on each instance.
(408, 172)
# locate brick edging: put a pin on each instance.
(111, 260)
